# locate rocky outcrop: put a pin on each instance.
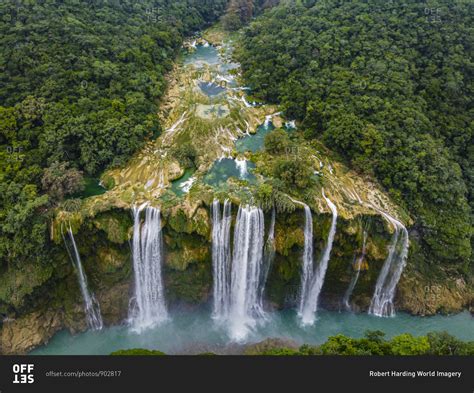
(423, 296)
(18, 336)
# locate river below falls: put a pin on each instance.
(193, 332)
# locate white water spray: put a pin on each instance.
(307, 267)
(91, 306)
(148, 306)
(241, 165)
(245, 305)
(238, 282)
(382, 300)
(186, 185)
(221, 258)
(309, 306)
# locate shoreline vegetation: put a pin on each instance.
(373, 343)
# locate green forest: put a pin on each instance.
(80, 84)
(388, 86)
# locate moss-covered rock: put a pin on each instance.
(116, 224)
(18, 282)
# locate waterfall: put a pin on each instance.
(148, 306)
(186, 185)
(382, 300)
(267, 121)
(307, 267)
(268, 256)
(355, 277)
(242, 167)
(91, 306)
(221, 258)
(309, 303)
(245, 305)
(239, 277)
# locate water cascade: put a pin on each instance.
(148, 306)
(221, 258)
(245, 303)
(241, 165)
(91, 306)
(310, 297)
(355, 277)
(238, 276)
(382, 300)
(307, 269)
(268, 256)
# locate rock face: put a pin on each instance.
(23, 334)
(106, 257)
(422, 296)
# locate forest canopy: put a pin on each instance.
(80, 83)
(388, 85)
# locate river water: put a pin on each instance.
(192, 332)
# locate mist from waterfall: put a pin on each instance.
(309, 303)
(382, 300)
(147, 307)
(91, 305)
(355, 277)
(238, 280)
(221, 258)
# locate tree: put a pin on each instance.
(276, 142)
(293, 172)
(406, 344)
(59, 181)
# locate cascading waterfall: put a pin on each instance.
(238, 279)
(221, 258)
(268, 256)
(91, 306)
(148, 306)
(355, 277)
(245, 304)
(307, 269)
(382, 300)
(309, 303)
(241, 165)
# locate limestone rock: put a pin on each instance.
(21, 335)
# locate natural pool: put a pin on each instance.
(226, 168)
(203, 54)
(211, 89)
(254, 142)
(92, 187)
(182, 185)
(195, 332)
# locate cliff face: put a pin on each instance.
(38, 301)
(57, 304)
